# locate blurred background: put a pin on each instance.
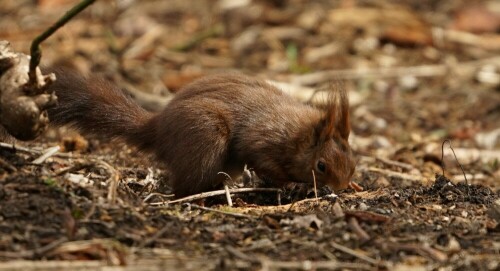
(418, 72)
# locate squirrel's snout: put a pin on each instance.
(342, 179)
(339, 185)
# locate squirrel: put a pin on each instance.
(216, 124)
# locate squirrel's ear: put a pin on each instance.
(342, 105)
(335, 120)
(326, 126)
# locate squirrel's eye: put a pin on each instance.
(321, 166)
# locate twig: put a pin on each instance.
(78, 166)
(423, 250)
(49, 247)
(31, 151)
(48, 153)
(28, 265)
(314, 181)
(113, 181)
(36, 53)
(106, 249)
(456, 159)
(29, 254)
(311, 265)
(488, 42)
(148, 197)
(356, 228)
(355, 253)
(380, 72)
(228, 196)
(226, 188)
(218, 193)
(458, 162)
(195, 206)
(387, 72)
(18, 148)
(474, 177)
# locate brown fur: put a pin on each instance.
(218, 123)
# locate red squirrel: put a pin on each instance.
(218, 124)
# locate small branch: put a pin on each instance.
(228, 196)
(488, 42)
(314, 181)
(19, 148)
(312, 265)
(48, 153)
(354, 253)
(113, 181)
(77, 167)
(226, 188)
(35, 253)
(148, 197)
(388, 72)
(36, 53)
(34, 152)
(217, 193)
(195, 206)
(456, 159)
(423, 250)
(356, 228)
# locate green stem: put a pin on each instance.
(36, 53)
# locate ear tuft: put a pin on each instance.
(342, 106)
(326, 126)
(335, 120)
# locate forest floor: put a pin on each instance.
(418, 73)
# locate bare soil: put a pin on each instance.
(418, 73)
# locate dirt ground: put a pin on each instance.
(418, 73)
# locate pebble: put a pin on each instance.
(363, 206)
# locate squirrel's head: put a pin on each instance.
(333, 162)
(326, 150)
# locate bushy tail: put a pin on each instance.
(95, 106)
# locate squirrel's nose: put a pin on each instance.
(339, 185)
(340, 180)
